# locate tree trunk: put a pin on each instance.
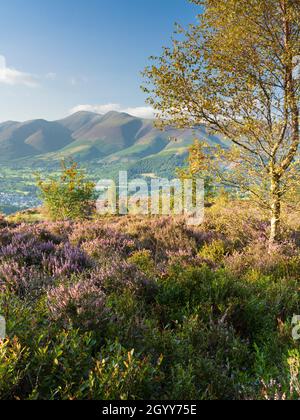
(275, 212)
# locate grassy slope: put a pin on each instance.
(176, 312)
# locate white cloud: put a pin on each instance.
(140, 112)
(11, 76)
(98, 109)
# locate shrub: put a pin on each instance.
(70, 196)
(289, 387)
(123, 375)
(11, 370)
(81, 305)
(144, 261)
(214, 252)
(125, 308)
(283, 262)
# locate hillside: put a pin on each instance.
(30, 139)
(86, 136)
(148, 308)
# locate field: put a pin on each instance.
(18, 181)
(130, 308)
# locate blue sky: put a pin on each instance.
(63, 55)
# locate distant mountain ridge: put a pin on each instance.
(86, 136)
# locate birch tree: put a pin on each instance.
(236, 71)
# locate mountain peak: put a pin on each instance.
(78, 120)
(83, 113)
(115, 136)
(118, 115)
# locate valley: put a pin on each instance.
(103, 145)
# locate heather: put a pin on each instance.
(150, 308)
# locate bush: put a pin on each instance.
(123, 375)
(144, 261)
(69, 197)
(125, 308)
(11, 370)
(214, 252)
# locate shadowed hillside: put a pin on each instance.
(21, 140)
(84, 136)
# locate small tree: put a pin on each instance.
(198, 167)
(69, 196)
(236, 72)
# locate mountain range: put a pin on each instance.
(85, 136)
